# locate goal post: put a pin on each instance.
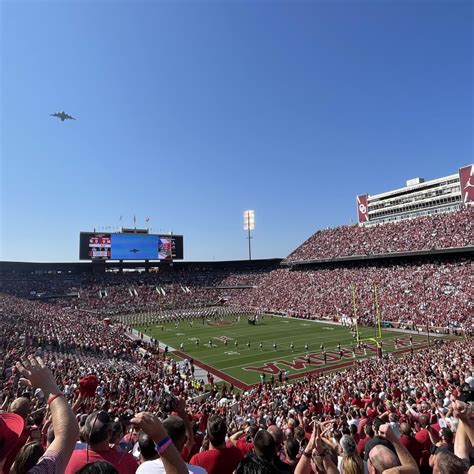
(378, 322)
(377, 313)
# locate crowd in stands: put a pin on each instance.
(438, 231)
(76, 344)
(32, 285)
(135, 292)
(435, 293)
(97, 396)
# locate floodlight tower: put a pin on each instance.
(249, 225)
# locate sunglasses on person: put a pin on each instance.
(103, 418)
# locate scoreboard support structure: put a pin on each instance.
(98, 267)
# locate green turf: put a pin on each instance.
(236, 361)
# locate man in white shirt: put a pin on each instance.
(176, 430)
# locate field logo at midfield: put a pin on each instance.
(232, 353)
(223, 338)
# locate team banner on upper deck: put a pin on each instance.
(362, 211)
(466, 180)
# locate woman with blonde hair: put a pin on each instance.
(351, 462)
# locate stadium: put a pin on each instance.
(370, 321)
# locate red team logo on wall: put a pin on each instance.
(362, 208)
(466, 180)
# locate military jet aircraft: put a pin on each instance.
(63, 116)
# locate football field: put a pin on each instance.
(238, 352)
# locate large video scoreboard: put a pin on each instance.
(105, 246)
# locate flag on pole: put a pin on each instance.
(147, 219)
(134, 219)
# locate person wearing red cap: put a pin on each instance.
(20, 407)
(11, 427)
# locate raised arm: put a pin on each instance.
(236, 436)
(5, 402)
(465, 432)
(77, 404)
(66, 430)
(181, 410)
(152, 426)
(304, 464)
(315, 447)
(323, 453)
(409, 465)
(434, 438)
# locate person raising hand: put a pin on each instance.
(66, 430)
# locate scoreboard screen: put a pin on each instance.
(104, 246)
(99, 246)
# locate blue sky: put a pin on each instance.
(191, 112)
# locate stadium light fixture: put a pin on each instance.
(249, 225)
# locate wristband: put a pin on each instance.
(53, 397)
(163, 445)
(159, 444)
(308, 455)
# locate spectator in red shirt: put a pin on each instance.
(424, 438)
(98, 432)
(357, 402)
(369, 434)
(365, 419)
(354, 434)
(198, 439)
(218, 459)
(243, 440)
(409, 441)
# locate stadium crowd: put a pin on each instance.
(92, 392)
(135, 292)
(435, 292)
(437, 231)
(416, 293)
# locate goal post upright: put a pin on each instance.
(354, 310)
(377, 312)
